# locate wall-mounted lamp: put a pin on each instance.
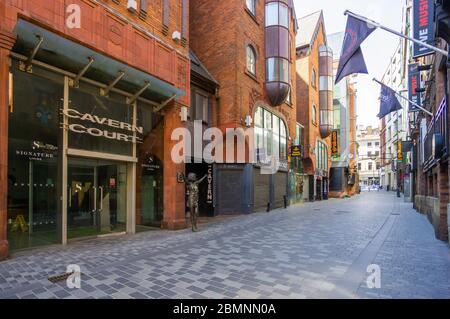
(184, 114)
(176, 36)
(132, 5)
(248, 121)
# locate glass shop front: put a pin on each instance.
(72, 158)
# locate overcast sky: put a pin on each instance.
(377, 49)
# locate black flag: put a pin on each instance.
(388, 101)
(352, 59)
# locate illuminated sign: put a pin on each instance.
(334, 143)
(399, 151)
(296, 151)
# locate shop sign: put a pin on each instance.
(334, 143)
(399, 151)
(296, 151)
(149, 164)
(283, 164)
(209, 191)
(111, 125)
(423, 26)
(38, 151)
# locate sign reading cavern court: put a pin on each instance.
(111, 127)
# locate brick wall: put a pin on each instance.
(219, 34)
(307, 97)
(109, 28)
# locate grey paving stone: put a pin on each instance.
(300, 252)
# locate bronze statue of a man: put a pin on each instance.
(192, 187)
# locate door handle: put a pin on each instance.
(95, 200)
(101, 198)
(70, 196)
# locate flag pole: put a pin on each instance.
(376, 24)
(413, 103)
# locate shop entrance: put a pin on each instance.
(97, 198)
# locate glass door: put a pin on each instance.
(96, 198)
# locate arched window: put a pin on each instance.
(322, 155)
(251, 60)
(251, 6)
(270, 135)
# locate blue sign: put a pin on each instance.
(413, 85)
(423, 26)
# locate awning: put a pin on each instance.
(65, 54)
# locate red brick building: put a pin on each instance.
(90, 93)
(315, 103)
(430, 134)
(248, 46)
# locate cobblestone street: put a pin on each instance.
(312, 250)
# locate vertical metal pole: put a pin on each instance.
(64, 146)
(131, 183)
(30, 197)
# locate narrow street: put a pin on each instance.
(312, 250)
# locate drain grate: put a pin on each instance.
(339, 212)
(60, 278)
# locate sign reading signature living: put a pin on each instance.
(133, 130)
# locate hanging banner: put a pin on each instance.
(413, 85)
(423, 26)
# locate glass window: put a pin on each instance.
(33, 145)
(284, 70)
(199, 107)
(325, 83)
(278, 69)
(283, 141)
(145, 117)
(251, 5)
(271, 70)
(271, 14)
(298, 135)
(323, 117)
(259, 117)
(284, 15)
(370, 166)
(271, 134)
(251, 60)
(100, 124)
(276, 134)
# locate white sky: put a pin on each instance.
(377, 48)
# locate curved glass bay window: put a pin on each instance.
(277, 51)
(270, 135)
(326, 90)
